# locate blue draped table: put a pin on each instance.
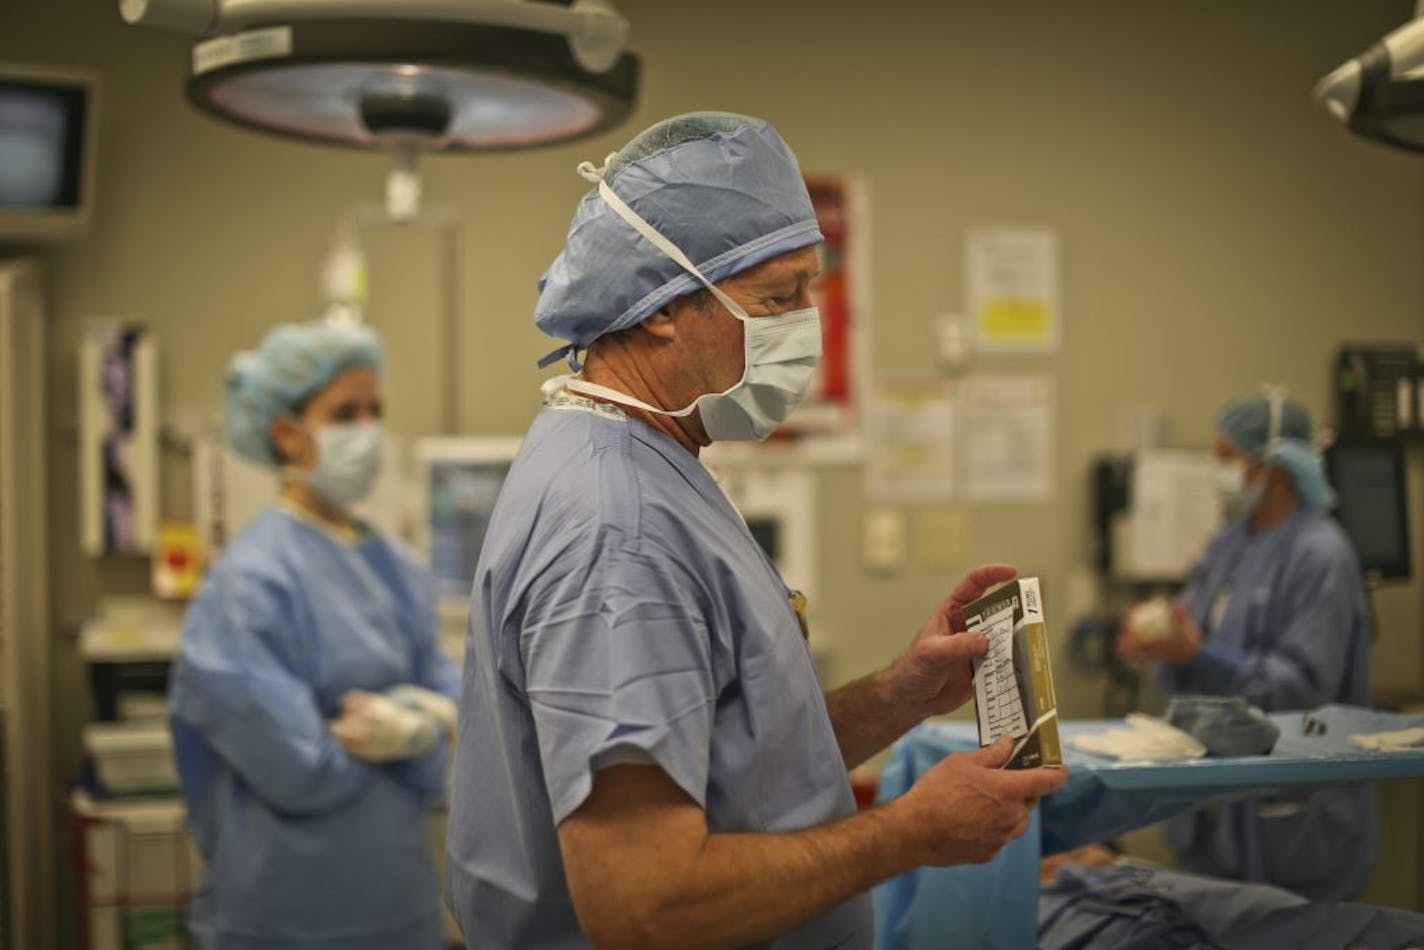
(995, 905)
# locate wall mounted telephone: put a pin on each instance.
(1378, 390)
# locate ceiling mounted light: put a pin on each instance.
(467, 74)
(406, 76)
(1380, 93)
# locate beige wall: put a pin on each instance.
(1217, 231)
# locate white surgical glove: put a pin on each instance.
(1144, 739)
(1399, 740)
(1151, 620)
(378, 729)
(427, 701)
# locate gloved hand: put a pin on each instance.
(1179, 642)
(428, 701)
(378, 729)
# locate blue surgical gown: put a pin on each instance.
(307, 847)
(1287, 627)
(623, 612)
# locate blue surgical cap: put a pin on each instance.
(292, 364)
(1247, 423)
(722, 187)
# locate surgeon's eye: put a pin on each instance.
(346, 412)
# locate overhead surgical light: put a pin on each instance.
(1380, 93)
(406, 76)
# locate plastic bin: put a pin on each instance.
(138, 867)
(132, 758)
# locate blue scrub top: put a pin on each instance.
(623, 612)
(307, 847)
(1287, 627)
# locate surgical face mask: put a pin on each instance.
(348, 460)
(1238, 497)
(779, 355)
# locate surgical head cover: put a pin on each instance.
(1278, 431)
(724, 188)
(293, 362)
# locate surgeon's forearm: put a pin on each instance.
(281, 750)
(866, 719)
(745, 888)
(1278, 681)
(316, 778)
(644, 872)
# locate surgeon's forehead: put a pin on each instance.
(791, 267)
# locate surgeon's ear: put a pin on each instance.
(1275, 474)
(663, 323)
(291, 441)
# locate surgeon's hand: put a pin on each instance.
(966, 808)
(378, 729)
(425, 700)
(935, 674)
(1182, 641)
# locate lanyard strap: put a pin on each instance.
(1275, 399)
(612, 395)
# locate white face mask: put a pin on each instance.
(779, 355)
(348, 460)
(1238, 498)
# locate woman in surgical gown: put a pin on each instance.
(1275, 613)
(309, 703)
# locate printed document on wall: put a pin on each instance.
(1011, 447)
(1175, 511)
(910, 455)
(1012, 278)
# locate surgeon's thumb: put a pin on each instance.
(955, 647)
(993, 756)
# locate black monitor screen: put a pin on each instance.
(462, 497)
(1369, 480)
(41, 144)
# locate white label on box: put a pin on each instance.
(1000, 705)
(1032, 603)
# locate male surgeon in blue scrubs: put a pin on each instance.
(1276, 613)
(645, 757)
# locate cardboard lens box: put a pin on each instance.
(1013, 682)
